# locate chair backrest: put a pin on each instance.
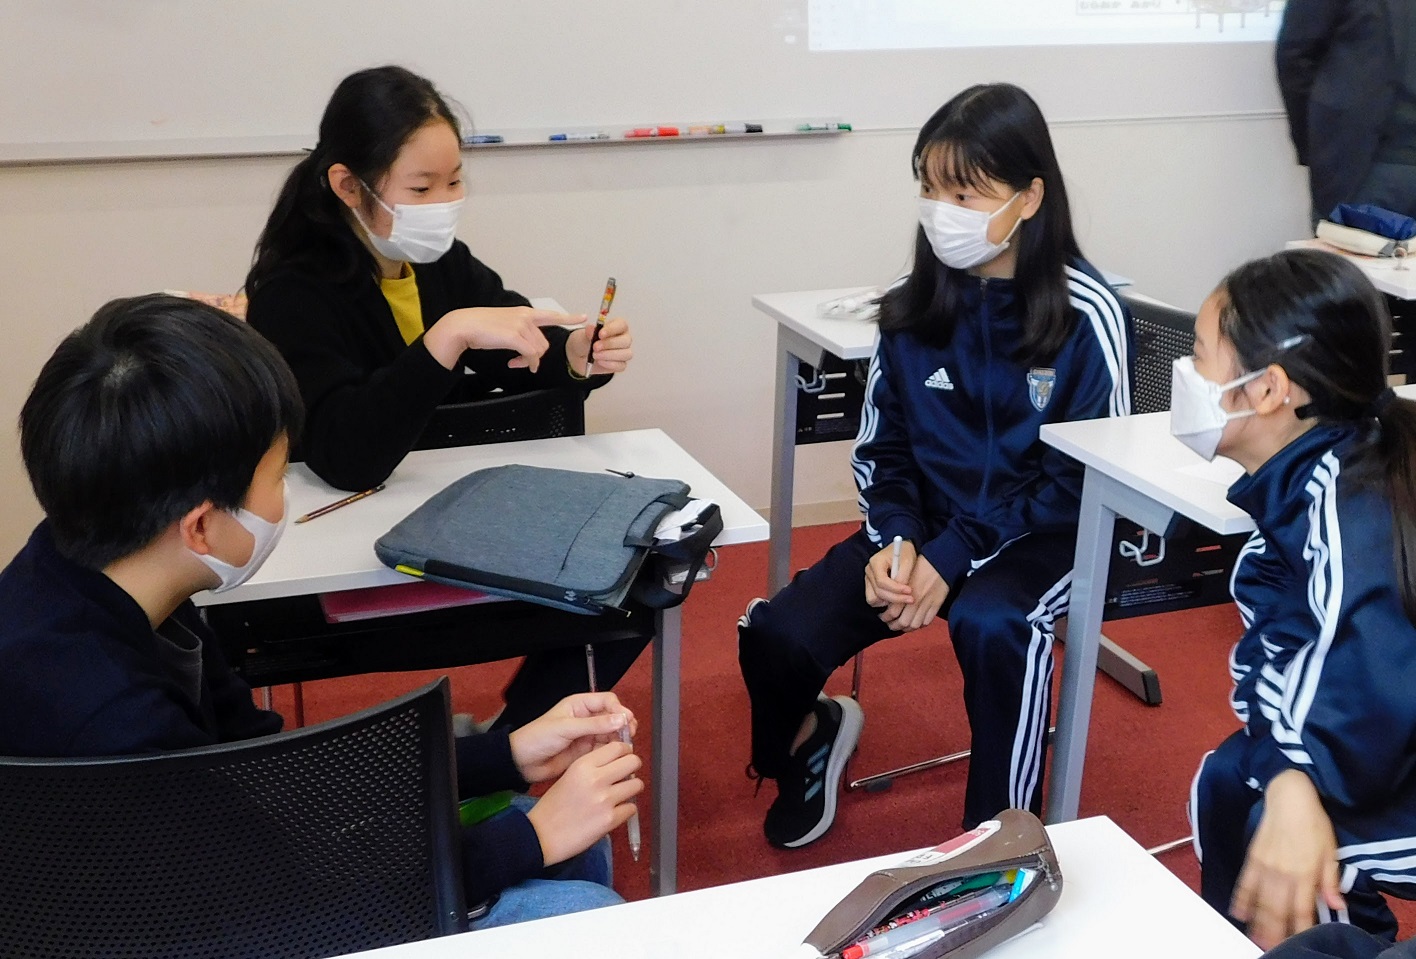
(327, 840)
(537, 415)
(1163, 334)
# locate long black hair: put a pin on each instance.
(1342, 359)
(370, 116)
(993, 131)
(155, 405)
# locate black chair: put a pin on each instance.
(503, 418)
(1162, 333)
(328, 840)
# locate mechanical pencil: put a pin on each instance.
(578, 136)
(914, 947)
(314, 514)
(633, 824)
(481, 138)
(937, 921)
(817, 127)
(599, 323)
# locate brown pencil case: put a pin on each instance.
(1014, 840)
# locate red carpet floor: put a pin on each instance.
(1140, 758)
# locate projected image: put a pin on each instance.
(917, 24)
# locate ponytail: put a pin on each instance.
(1394, 446)
(307, 231)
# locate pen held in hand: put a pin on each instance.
(634, 838)
(895, 558)
(354, 498)
(605, 302)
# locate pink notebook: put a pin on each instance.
(352, 605)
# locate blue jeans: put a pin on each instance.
(581, 882)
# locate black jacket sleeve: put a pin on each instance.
(359, 423)
(368, 397)
(504, 850)
(1303, 39)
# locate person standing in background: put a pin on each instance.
(1347, 72)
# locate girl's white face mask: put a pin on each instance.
(422, 232)
(266, 535)
(959, 236)
(1197, 417)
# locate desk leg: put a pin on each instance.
(663, 856)
(1074, 702)
(1103, 498)
(779, 545)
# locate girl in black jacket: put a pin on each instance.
(383, 315)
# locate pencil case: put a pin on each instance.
(986, 857)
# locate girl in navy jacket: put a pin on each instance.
(1000, 327)
(1310, 809)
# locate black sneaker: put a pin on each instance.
(806, 794)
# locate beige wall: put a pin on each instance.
(690, 230)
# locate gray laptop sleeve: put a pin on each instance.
(573, 540)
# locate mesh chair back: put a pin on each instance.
(1163, 334)
(328, 840)
(537, 415)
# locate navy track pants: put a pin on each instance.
(1001, 621)
(1225, 808)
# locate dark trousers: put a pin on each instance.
(1000, 621)
(547, 677)
(1225, 810)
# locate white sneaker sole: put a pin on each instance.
(852, 722)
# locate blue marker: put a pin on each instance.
(560, 137)
(481, 138)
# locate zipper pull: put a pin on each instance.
(619, 473)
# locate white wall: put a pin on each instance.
(690, 230)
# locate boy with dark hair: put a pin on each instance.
(156, 438)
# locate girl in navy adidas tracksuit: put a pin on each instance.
(1000, 327)
(1310, 808)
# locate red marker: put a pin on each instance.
(652, 132)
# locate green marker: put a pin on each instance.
(822, 127)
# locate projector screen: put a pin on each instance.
(930, 24)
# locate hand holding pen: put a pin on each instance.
(609, 346)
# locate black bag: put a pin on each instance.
(583, 542)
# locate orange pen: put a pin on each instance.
(599, 323)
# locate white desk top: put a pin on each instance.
(846, 337)
(1388, 274)
(1116, 901)
(1140, 452)
(336, 551)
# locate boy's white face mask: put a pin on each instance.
(266, 535)
(1197, 417)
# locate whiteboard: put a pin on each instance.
(81, 74)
